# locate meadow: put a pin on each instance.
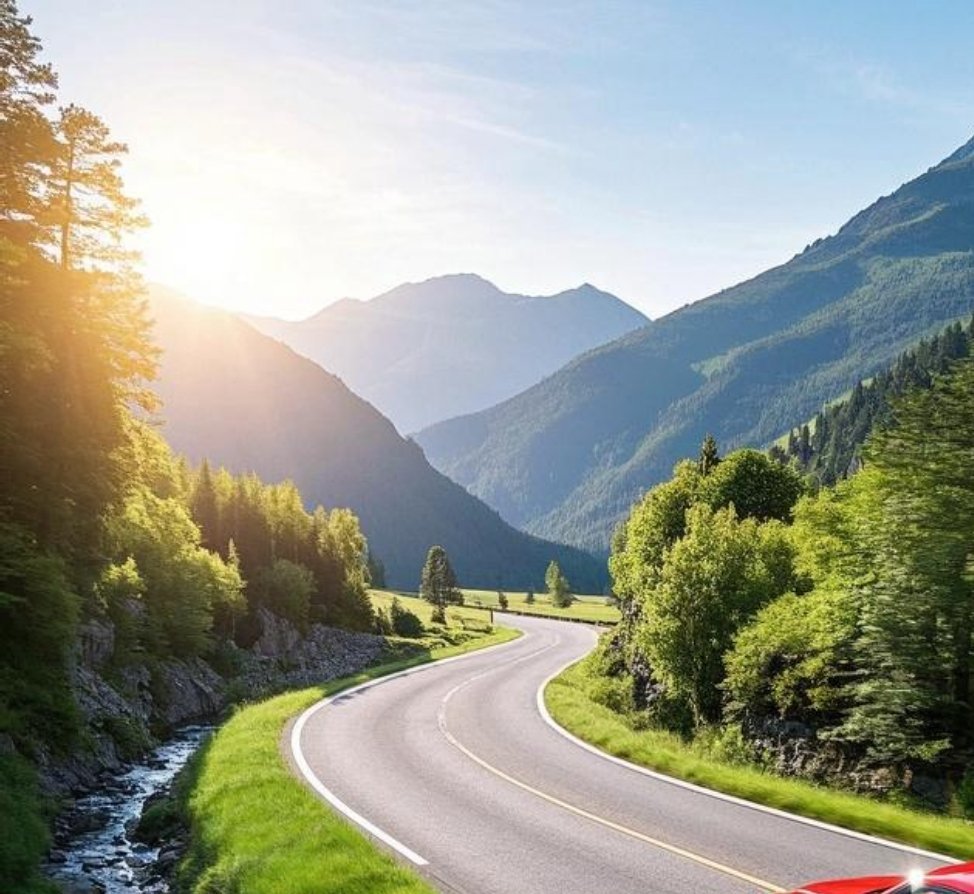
(584, 608)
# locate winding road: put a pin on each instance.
(455, 767)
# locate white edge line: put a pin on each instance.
(312, 779)
(720, 796)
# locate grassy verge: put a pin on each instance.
(570, 702)
(588, 608)
(255, 829)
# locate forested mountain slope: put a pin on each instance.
(566, 458)
(424, 352)
(829, 447)
(246, 401)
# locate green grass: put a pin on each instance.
(455, 614)
(570, 703)
(257, 830)
(587, 608)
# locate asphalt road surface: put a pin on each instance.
(456, 769)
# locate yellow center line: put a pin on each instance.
(609, 824)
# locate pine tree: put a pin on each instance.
(89, 210)
(205, 510)
(559, 590)
(916, 516)
(438, 583)
(29, 149)
(709, 456)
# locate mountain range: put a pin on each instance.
(250, 403)
(427, 351)
(566, 458)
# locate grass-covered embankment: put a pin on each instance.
(255, 829)
(569, 698)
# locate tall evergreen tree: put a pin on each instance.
(559, 590)
(438, 583)
(916, 512)
(27, 88)
(205, 510)
(709, 456)
(89, 209)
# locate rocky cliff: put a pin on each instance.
(128, 703)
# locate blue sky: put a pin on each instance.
(293, 153)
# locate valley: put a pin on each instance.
(490, 582)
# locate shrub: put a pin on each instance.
(382, 622)
(403, 621)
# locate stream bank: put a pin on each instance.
(140, 721)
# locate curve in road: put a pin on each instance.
(457, 768)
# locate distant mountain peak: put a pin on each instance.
(586, 289)
(250, 403)
(964, 153)
(453, 344)
(566, 457)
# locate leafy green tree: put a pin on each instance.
(796, 657)
(438, 583)
(502, 600)
(343, 546)
(285, 588)
(559, 590)
(792, 660)
(183, 584)
(712, 581)
(654, 525)
(754, 484)
(38, 612)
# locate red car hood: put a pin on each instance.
(959, 877)
(873, 884)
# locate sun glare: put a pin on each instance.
(198, 251)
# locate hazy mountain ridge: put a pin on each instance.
(427, 351)
(745, 364)
(243, 400)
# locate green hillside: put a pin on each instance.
(566, 458)
(829, 445)
(250, 403)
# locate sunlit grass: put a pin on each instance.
(568, 701)
(587, 608)
(257, 830)
(456, 615)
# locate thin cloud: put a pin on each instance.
(876, 83)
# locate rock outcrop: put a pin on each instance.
(126, 706)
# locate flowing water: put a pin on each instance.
(105, 858)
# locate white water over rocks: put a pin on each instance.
(100, 856)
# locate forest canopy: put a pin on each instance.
(849, 610)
